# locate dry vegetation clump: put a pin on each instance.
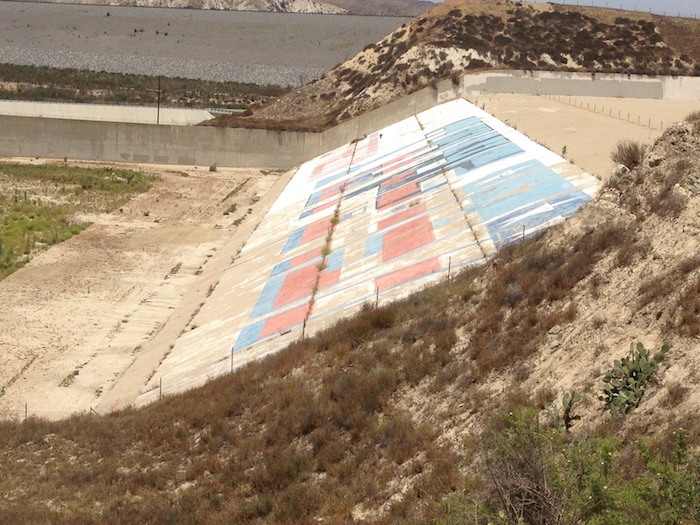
(71, 85)
(311, 431)
(40, 205)
(629, 153)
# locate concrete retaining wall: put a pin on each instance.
(583, 84)
(192, 145)
(105, 112)
(205, 146)
(149, 143)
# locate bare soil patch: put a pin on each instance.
(74, 318)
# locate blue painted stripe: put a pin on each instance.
(266, 301)
(515, 193)
(373, 244)
(281, 267)
(509, 227)
(313, 199)
(328, 180)
(440, 222)
(249, 335)
(335, 260)
(294, 239)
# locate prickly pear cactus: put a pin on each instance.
(624, 384)
(570, 399)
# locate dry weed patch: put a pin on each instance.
(522, 302)
(39, 205)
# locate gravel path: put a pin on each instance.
(261, 48)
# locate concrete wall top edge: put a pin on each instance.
(204, 145)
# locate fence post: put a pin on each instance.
(376, 302)
(25, 411)
(449, 268)
(160, 389)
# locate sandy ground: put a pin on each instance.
(85, 324)
(77, 316)
(588, 127)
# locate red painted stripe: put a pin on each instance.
(400, 194)
(299, 284)
(397, 178)
(399, 162)
(407, 237)
(409, 273)
(322, 207)
(328, 279)
(315, 230)
(296, 285)
(402, 216)
(332, 190)
(299, 259)
(283, 321)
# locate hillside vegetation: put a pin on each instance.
(473, 35)
(70, 85)
(47, 204)
(507, 407)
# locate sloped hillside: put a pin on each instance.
(351, 7)
(472, 35)
(385, 7)
(401, 415)
(270, 6)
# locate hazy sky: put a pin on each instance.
(690, 8)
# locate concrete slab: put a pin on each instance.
(380, 217)
(105, 112)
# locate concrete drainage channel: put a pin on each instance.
(383, 216)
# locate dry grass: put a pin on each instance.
(379, 416)
(628, 153)
(71, 85)
(527, 295)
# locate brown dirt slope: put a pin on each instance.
(380, 418)
(471, 35)
(384, 7)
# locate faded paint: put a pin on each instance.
(439, 189)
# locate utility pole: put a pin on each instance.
(158, 113)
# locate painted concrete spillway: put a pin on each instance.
(386, 214)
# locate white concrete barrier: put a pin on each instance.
(34, 136)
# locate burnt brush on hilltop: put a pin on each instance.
(460, 36)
